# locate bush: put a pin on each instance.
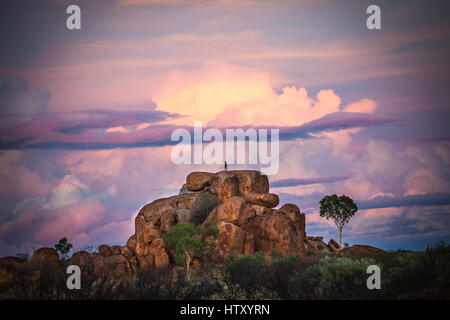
(335, 278)
(404, 275)
(278, 279)
(248, 272)
(417, 275)
(166, 284)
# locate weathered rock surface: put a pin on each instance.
(230, 240)
(114, 265)
(224, 184)
(45, 255)
(275, 231)
(116, 250)
(232, 211)
(104, 250)
(11, 266)
(316, 244)
(359, 249)
(196, 181)
(251, 181)
(333, 243)
(238, 201)
(158, 251)
(269, 200)
(80, 258)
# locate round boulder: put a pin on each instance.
(45, 255)
(104, 250)
(196, 181)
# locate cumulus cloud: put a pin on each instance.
(217, 93)
(363, 105)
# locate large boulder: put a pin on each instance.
(269, 200)
(127, 251)
(316, 244)
(332, 244)
(275, 231)
(232, 211)
(196, 181)
(224, 184)
(249, 244)
(158, 251)
(45, 255)
(167, 221)
(104, 250)
(165, 213)
(230, 240)
(148, 233)
(116, 250)
(146, 261)
(12, 266)
(293, 212)
(152, 212)
(251, 181)
(113, 265)
(131, 243)
(80, 258)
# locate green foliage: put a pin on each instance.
(275, 254)
(248, 273)
(182, 238)
(417, 275)
(202, 206)
(312, 252)
(189, 240)
(339, 278)
(339, 209)
(209, 229)
(63, 247)
(404, 275)
(208, 234)
(279, 275)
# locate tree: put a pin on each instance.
(339, 209)
(189, 240)
(63, 247)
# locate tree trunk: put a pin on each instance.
(340, 238)
(188, 263)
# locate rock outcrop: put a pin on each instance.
(45, 255)
(239, 203)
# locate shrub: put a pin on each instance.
(248, 273)
(166, 284)
(418, 275)
(278, 278)
(335, 278)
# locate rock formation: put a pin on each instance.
(241, 205)
(238, 201)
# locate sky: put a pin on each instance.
(86, 115)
